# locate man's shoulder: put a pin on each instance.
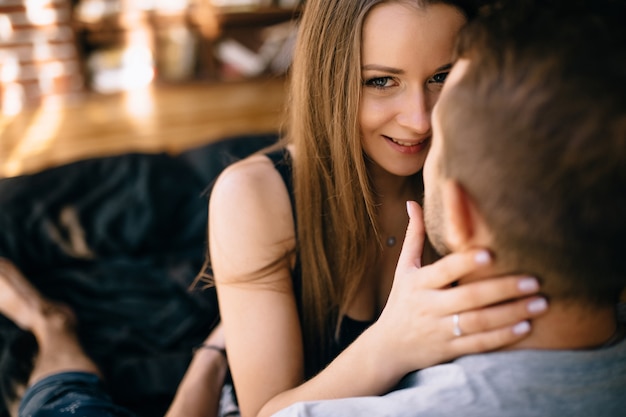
(503, 384)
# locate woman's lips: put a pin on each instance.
(408, 146)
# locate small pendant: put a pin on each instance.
(391, 240)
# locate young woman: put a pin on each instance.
(304, 241)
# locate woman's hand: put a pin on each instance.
(427, 320)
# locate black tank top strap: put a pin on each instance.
(283, 163)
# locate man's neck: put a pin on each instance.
(569, 326)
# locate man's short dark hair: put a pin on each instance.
(536, 133)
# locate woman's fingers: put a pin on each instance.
(500, 316)
(487, 292)
(443, 272)
(411, 254)
(496, 326)
(488, 341)
(453, 267)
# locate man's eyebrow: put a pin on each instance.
(392, 70)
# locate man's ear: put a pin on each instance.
(461, 218)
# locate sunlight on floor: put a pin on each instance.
(164, 118)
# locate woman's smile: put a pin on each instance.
(408, 146)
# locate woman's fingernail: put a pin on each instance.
(483, 257)
(528, 285)
(521, 328)
(537, 306)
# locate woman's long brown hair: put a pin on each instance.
(337, 223)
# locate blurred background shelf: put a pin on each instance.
(90, 78)
(66, 47)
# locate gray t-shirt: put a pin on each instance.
(525, 383)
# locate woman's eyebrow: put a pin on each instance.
(392, 70)
(382, 68)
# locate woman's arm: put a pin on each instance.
(198, 394)
(251, 225)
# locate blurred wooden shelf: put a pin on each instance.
(162, 32)
(233, 17)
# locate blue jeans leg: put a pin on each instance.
(69, 393)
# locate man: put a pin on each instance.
(528, 159)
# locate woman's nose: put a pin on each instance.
(414, 114)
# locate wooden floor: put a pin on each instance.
(162, 118)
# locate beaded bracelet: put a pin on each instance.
(222, 351)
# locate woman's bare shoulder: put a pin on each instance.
(252, 177)
(250, 218)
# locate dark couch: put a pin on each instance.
(120, 239)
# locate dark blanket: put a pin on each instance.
(120, 239)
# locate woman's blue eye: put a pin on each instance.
(440, 78)
(378, 82)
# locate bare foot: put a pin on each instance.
(24, 305)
